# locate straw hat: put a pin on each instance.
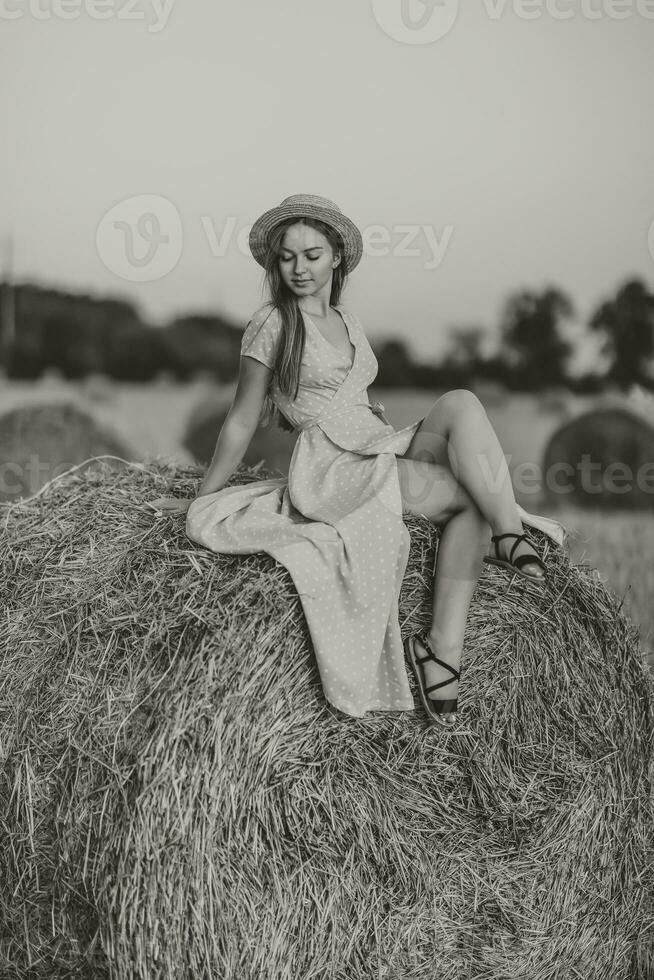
(307, 206)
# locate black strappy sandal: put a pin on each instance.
(517, 565)
(434, 707)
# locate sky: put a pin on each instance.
(504, 146)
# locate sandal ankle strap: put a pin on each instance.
(511, 534)
(437, 660)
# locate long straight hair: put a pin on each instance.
(286, 369)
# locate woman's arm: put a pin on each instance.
(239, 426)
(234, 437)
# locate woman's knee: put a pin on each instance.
(457, 402)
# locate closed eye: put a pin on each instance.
(311, 258)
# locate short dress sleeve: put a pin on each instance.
(261, 336)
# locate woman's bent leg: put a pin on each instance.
(458, 431)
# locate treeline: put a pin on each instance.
(81, 335)
(538, 339)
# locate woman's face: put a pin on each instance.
(306, 260)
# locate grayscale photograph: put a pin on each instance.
(327, 490)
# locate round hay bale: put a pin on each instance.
(271, 444)
(180, 801)
(53, 376)
(602, 459)
(99, 387)
(40, 441)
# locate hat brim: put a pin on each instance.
(350, 234)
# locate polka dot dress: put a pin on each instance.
(336, 522)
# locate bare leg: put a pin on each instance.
(463, 543)
(431, 491)
(458, 432)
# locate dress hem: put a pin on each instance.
(377, 706)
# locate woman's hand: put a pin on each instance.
(378, 410)
(177, 505)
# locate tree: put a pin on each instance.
(532, 348)
(465, 348)
(395, 365)
(201, 342)
(627, 323)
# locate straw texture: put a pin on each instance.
(178, 801)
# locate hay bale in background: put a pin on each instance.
(621, 442)
(41, 441)
(620, 546)
(272, 444)
(99, 387)
(179, 800)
